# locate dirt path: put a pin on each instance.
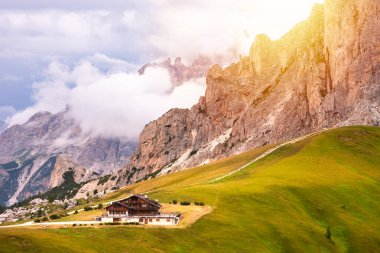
(47, 224)
(268, 152)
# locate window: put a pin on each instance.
(150, 220)
(143, 205)
(141, 220)
(167, 220)
(157, 220)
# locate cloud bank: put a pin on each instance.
(112, 104)
(109, 39)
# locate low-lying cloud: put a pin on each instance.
(109, 104)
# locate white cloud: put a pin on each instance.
(149, 29)
(110, 104)
(101, 91)
(6, 111)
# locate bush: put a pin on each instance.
(37, 221)
(88, 208)
(328, 233)
(45, 218)
(76, 212)
(65, 205)
(185, 203)
(175, 202)
(54, 216)
(199, 203)
(74, 225)
(112, 223)
(100, 206)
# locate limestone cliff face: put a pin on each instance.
(62, 165)
(325, 72)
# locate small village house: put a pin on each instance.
(138, 209)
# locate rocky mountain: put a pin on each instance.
(323, 73)
(35, 156)
(181, 73)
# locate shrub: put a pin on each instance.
(175, 202)
(45, 218)
(65, 205)
(74, 225)
(185, 203)
(131, 223)
(199, 203)
(100, 206)
(112, 223)
(88, 208)
(54, 216)
(328, 233)
(37, 220)
(76, 212)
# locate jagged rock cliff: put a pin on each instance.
(34, 156)
(325, 72)
(179, 72)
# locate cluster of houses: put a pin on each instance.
(138, 209)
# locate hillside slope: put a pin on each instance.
(323, 73)
(286, 202)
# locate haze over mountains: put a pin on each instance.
(35, 155)
(323, 73)
(2, 125)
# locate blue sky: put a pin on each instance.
(120, 35)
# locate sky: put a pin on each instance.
(53, 54)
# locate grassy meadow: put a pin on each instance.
(317, 195)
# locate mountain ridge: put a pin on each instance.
(323, 73)
(47, 146)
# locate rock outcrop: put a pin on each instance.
(179, 72)
(324, 73)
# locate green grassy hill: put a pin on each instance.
(318, 195)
